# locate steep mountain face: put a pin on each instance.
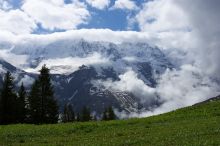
(78, 89)
(76, 65)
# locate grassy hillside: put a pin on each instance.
(196, 125)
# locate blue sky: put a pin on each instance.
(114, 19)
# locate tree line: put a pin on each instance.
(70, 116)
(38, 106)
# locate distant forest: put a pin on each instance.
(39, 106)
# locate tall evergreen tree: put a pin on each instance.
(49, 107)
(21, 104)
(68, 114)
(1, 109)
(78, 117)
(8, 101)
(94, 118)
(105, 115)
(111, 114)
(86, 115)
(34, 107)
(108, 114)
(43, 106)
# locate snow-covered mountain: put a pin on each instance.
(78, 66)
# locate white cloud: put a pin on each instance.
(161, 16)
(99, 4)
(184, 87)
(130, 58)
(125, 4)
(175, 89)
(69, 64)
(129, 82)
(2, 70)
(105, 35)
(55, 14)
(5, 5)
(191, 85)
(51, 14)
(131, 22)
(192, 28)
(16, 60)
(166, 20)
(205, 19)
(16, 21)
(26, 80)
(177, 24)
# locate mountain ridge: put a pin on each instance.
(83, 62)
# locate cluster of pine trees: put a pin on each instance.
(85, 115)
(70, 116)
(108, 114)
(39, 105)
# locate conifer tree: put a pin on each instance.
(68, 114)
(34, 104)
(78, 117)
(94, 118)
(111, 114)
(105, 115)
(43, 106)
(21, 104)
(8, 104)
(49, 107)
(65, 114)
(108, 114)
(86, 115)
(1, 110)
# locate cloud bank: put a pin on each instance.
(190, 27)
(105, 35)
(70, 64)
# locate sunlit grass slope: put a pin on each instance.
(195, 125)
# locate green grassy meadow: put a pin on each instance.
(194, 126)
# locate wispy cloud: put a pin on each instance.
(125, 4)
(99, 4)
